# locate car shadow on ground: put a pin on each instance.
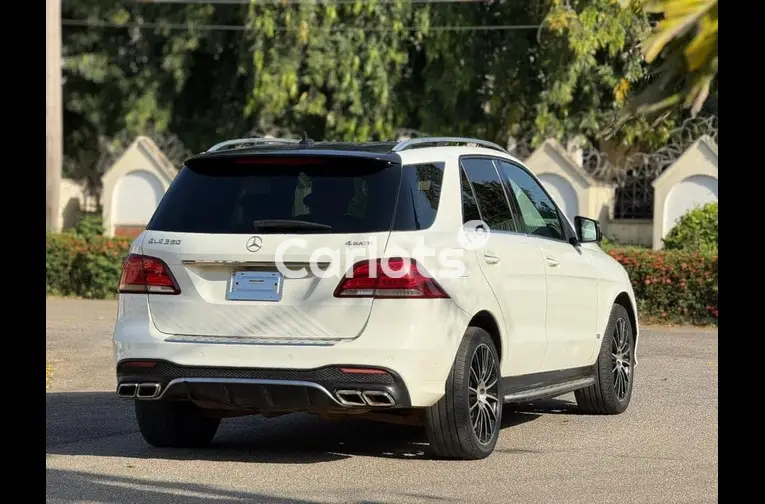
(75, 486)
(100, 424)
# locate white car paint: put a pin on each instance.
(551, 302)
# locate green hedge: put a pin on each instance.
(84, 267)
(696, 230)
(672, 285)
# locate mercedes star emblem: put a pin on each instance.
(254, 243)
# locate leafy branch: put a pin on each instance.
(686, 40)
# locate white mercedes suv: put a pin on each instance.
(427, 281)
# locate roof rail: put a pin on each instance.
(408, 144)
(252, 141)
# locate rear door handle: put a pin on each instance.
(490, 258)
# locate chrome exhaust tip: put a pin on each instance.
(127, 390)
(147, 390)
(378, 398)
(350, 398)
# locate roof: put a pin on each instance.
(292, 151)
(385, 151)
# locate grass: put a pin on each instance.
(48, 375)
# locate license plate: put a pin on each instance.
(255, 286)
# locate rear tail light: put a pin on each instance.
(363, 371)
(390, 278)
(147, 275)
(138, 364)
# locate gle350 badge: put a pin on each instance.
(162, 241)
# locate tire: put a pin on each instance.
(449, 423)
(174, 424)
(611, 393)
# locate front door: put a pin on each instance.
(571, 280)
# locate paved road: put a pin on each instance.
(662, 450)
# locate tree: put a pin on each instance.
(570, 77)
(479, 81)
(330, 69)
(590, 64)
(126, 78)
(686, 40)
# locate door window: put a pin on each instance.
(469, 204)
(489, 194)
(538, 212)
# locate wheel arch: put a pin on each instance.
(625, 300)
(489, 323)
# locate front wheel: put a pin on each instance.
(465, 423)
(615, 369)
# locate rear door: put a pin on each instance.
(512, 265)
(258, 245)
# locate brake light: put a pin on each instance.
(147, 275)
(399, 278)
(299, 161)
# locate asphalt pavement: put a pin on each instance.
(663, 449)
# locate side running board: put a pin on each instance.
(547, 391)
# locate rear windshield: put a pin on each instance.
(322, 195)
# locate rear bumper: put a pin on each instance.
(264, 390)
(415, 342)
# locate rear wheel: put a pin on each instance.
(174, 424)
(612, 391)
(465, 423)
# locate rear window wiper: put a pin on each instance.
(289, 224)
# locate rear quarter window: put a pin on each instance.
(419, 197)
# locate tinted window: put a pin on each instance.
(469, 204)
(490, 194)
(537, 210)
(222, 197)
(419, 196)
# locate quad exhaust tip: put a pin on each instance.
(378, 398)
(127, 390)
(138, 390)
(357, 398)
(148, 390)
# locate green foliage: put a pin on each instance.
(327, 69)
(121, 81)
(571, 77)
(696, 230)
(89, 226)
(591, 64)
(355, 70)
(673, 285)
(686, 38)
(89, 268)
(607, 244)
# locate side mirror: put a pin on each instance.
(587, 230)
